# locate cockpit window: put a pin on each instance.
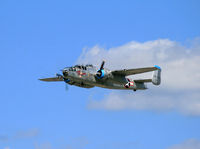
(77, 66)
(82, 67)
(72, 69)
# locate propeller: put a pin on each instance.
(59, 76)
(65, 80)
(66, 87)
(102, 64)
(100, 72)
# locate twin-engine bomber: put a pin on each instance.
(88, 76)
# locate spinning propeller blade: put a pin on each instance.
(66, 87)
(102, 64)
(65, 80)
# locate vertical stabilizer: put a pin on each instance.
(156, 79)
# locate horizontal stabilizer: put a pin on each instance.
(143, 80)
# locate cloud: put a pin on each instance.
(180, 85)
(180, 64)
(188, 144)
(165, 101)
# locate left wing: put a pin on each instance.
(60, 78)
(127, 72)
(52, 79)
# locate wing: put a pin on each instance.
(127, 72)
(52, 79)
(70, 82)
(80, 84)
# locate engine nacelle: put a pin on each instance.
(100, 74)
(103, 73)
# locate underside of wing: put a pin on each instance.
(80, 84)
(53, 79)
(127, 72)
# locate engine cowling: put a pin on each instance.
(100, 74)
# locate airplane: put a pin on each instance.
(89, 76)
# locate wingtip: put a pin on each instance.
(158, 67)
(41, 79)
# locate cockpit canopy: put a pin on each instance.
(82, 67)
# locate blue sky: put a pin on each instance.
(38, 38)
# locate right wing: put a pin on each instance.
(83, 85)
(52, 79)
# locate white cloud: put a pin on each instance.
(188, 144)
(180, 64)
(180, 75)
(151, 100)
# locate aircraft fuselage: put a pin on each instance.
(88, 77)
